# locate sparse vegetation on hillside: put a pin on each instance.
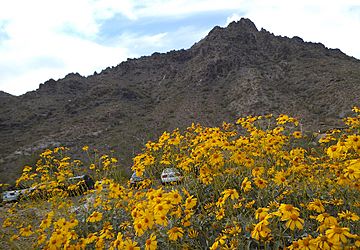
(257, 184)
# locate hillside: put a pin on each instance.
(234, 71)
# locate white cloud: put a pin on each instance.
(184, 36)
(42, 39)
(40, 29)
(137, 41)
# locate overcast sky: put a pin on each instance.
(43, 39)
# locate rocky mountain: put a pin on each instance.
(232, 72)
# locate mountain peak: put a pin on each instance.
(244, 24)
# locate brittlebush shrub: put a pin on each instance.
(256, 184)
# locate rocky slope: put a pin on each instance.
(232, 72)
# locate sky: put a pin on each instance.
(44, 39)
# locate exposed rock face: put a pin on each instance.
(234, 71)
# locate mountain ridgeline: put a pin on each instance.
(234, 71)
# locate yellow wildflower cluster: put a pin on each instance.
(259, 183)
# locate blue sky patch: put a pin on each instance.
(120, 24)
(174, 32)
(3, 34)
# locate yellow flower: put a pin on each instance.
(175, 233)
(307, 243)
(58, 234)
(353, 171)
(337, 202)
(148, 219)
(261, 230)
(139, 227)
(162, 208)
(280, 178)
(94, 217)
(261, 213)
(26, 231)
(118, 243)
(61, 224)
(41, 239)
(278, 130)
(190, 202)
(176, 212)
(27, 169)
(353, 141)
(342, 180)
(273, 204)
(294, 246)
(237, 205)
(238, 157)
(260, 183)
(232, 193)
(282, 119)
(161, 219)
(54, 243)
(232, 229)
(334, 151)
(99, 244)
(7, 222)
(73, 223)
(91, 238)
(258, 171)
(188, 214)
(130, 245)
(151, 243)
(220, 202)
(287, 210)
(106, 231)
(216, 159)
(14, 237)
(326, 219)
(357, 242)
(219, 240)
(193, 233)
(348, 215)
(175, 197)
(294, 222)
(297, 134)
(85, 148)
(246, 185)
(338, 234)
(220, 214)
(322, 242)
(250, 204)
(73, 235)
(356, 109)
(316, 205)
